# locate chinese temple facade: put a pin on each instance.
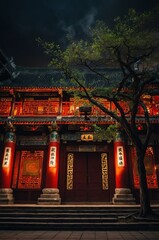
(49, 153)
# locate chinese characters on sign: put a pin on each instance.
(52, 159)
(87, 137)
(6, 158)
(120, 156)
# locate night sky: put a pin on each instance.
(22, 21)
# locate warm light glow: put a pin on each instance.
(120, 167)
(52, 157)
(139, 127)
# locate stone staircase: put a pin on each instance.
(68, 217)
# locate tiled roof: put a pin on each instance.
(49, 77)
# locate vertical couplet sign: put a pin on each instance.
(6, 157)
(120, 156)
(52, 158)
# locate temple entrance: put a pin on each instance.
(87, 177)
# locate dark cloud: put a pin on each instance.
(22, 21)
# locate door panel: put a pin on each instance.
(80, 178)
(87, 179)
(94, 171)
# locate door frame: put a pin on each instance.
(71, 147)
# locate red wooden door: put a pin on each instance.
(87, 179)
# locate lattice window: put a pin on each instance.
(5, 107)
(36, 107)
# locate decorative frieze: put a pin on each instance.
(32, 140)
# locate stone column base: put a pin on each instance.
(6, 196)
(49, 196)
(123, 196)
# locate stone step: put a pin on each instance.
(120, 210)
(58, 215)
(67, 217)
(59, 219)
(113, 226)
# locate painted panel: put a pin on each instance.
(30, 170)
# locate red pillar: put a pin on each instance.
(7, 161)
(122, 191)
(6, 193)
(50, 194)
(121, 170)
(53, 161)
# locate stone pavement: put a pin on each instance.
(79, 235)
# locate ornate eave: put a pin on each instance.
(67, 120)
(59, 120)
(32, 89)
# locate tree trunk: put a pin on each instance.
(145, 207)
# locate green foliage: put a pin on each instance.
(107, 133)
(131, 45)
(127, 40)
